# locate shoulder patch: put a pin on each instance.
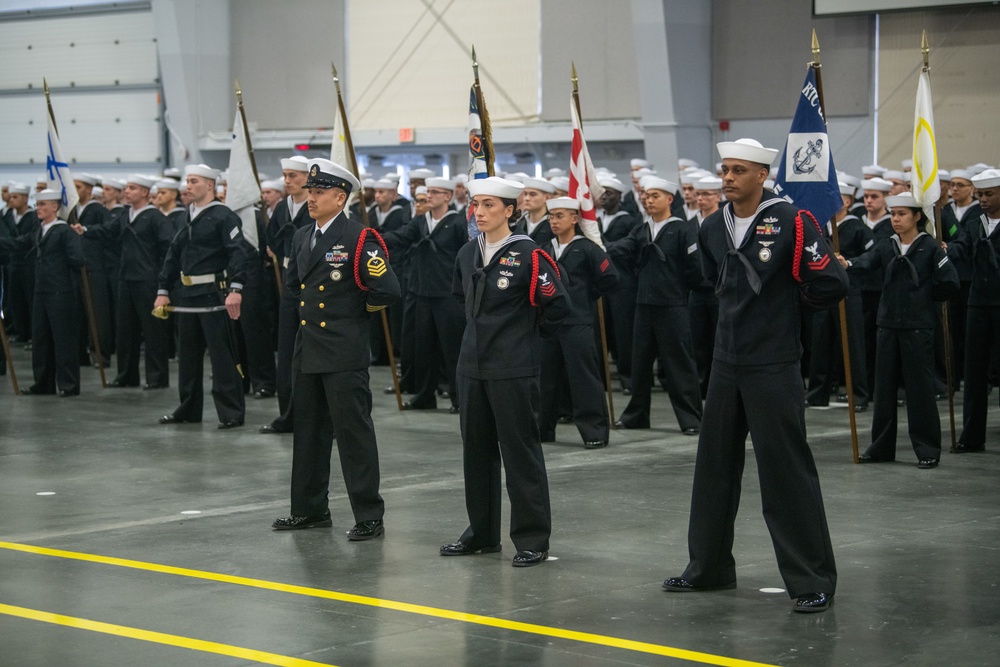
(236, 232)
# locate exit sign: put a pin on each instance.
(406, 135)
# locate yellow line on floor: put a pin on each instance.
(529, 628)
(159, 637)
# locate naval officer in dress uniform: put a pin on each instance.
(765, 258)
(340, 273)
(208, 257)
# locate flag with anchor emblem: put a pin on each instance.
(806, 175)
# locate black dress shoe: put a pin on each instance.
(263, 393)
(860, 407)
(927, 464)
(67, 394)
(811, 603)
(454, 410)
(868, 458)
(462, 549)
(680, 585)
(151, 387)
(28, 391)
(366, 530)
(115, 384)
(691, 431)
(529, 558)
(595, 444)
(226, 425)
(389, 390)
(408, 405)
(170, 419)
(301, 522)
(269, 429)
(962, 448)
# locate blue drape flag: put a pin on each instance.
(806, 175)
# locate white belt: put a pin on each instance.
(204, 279)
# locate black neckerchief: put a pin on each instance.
(752, 278)
(479, 273)
(897, 246)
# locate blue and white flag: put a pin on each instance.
(57, 172)
(806, 175)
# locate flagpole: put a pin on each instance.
(253, 166)
(484, 117)
(246, 129)
(364, 220)
(925, 50)
(842, 306)
(600, 300)
(88, 299)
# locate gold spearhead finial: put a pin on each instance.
(572, 76)
(815, 47)
(239, 93)
(925, 49)
(336, 79)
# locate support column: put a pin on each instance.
(192, 40)
(673, 49)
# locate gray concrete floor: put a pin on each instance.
(917, 550)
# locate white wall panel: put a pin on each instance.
(102, 49)
(93, 127)
(965, 50)
(409, 62)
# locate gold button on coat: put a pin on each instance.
(302, 286)
(322, 324)
(303, 322)
(302, 303)
(322, 306)
(321, 288)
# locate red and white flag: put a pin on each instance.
(583, 185)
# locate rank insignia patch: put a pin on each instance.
(376, 265)
(605, 264)
(547, 288)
